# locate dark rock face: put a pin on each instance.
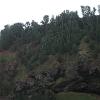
(41, 79)
(44, 82)
(89, 80)
(39, 83)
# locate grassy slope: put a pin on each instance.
(6, 57)
(76, 96)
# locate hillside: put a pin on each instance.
(58, 59)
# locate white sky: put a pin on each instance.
(12, 11)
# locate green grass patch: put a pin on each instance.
(7, 58)
(22, 73)
(75, 96)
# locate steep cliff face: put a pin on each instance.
(55, 81)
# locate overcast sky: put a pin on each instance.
(12, 11)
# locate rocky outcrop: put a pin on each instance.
(45, 82)
(39, 83)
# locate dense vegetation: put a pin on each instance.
(56, 46)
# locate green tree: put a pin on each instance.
(45, 20)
